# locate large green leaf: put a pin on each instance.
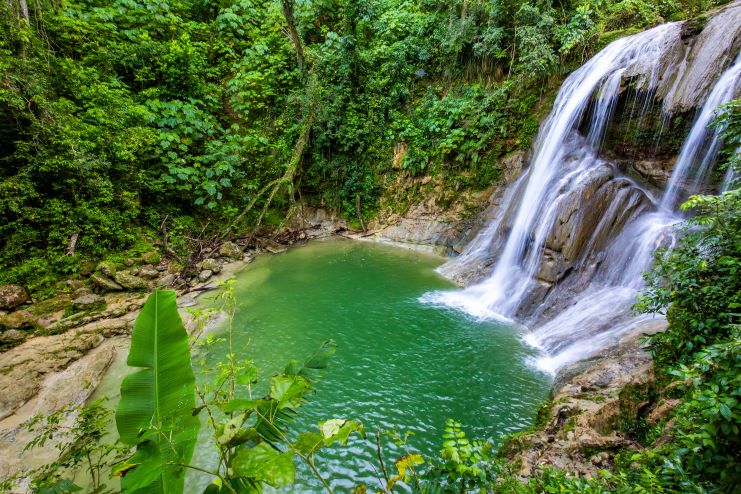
(155, 411)
(265, 464)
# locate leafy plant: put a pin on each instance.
(155, 412)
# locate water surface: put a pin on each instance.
(398, 362)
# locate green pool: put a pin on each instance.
(398, 362)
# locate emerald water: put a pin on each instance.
(398, 362)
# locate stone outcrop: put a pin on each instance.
(580, 429)
(711, 48)
(12, 296)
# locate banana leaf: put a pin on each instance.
(155, 411)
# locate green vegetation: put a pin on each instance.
(124, 118)
(119, 117)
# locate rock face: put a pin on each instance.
(581, 427)
(710, 52)
(12, 296)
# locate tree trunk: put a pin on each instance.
(23, 10)
(288, 13)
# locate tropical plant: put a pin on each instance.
(155, 414)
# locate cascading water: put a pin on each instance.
(701, 146)
(556, 198)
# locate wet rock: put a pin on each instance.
(212, 265)
(204, 275)
(12, 296)
(711, 51)
(107, 268)
(149, 272)
(130, 282)
(274, 248)
(105, 284)
(88, 302)
(19, 319)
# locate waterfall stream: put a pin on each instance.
(573, 236)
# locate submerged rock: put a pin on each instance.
(12, 296)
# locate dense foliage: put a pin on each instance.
(117, 116)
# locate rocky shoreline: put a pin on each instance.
(67, 342)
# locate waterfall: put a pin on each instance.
(703, 142)
(571, 217)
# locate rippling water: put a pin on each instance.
(398, 362)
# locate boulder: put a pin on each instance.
(212, 265)
(82, 291)
(167, 280)
(231, 250)
(11, 296)
(128, 262)
(87, 302)
(204, 275)
(107, 268)
(105, 284)
(130, 282)
(75, 284)
(149, 272)
(19, 319)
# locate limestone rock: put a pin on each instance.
(212, 265)
(90, 301)
(149, 272)
(106, 284)
(107, 268)
(231, 250)
(166, 280)
(129, 281)
(11, 296)
(82, 291)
